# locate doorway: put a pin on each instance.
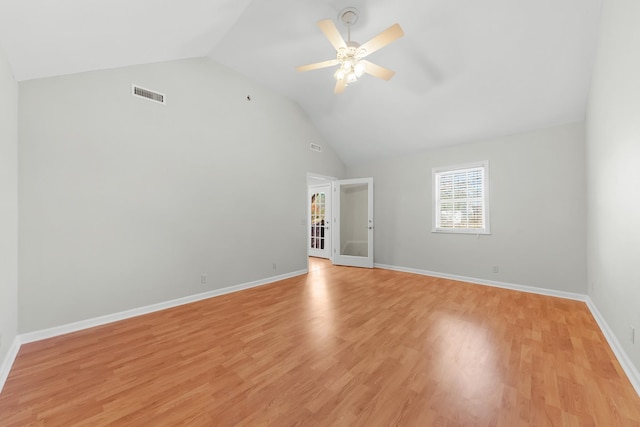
(340, 220)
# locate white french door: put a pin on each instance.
(319, 238)
(353, 222)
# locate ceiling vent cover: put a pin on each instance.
(315, 147)
(148, 94)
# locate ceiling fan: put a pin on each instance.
(350, 55)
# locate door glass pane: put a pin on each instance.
(317, 220)
(354, 236)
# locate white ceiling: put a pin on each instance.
(465, 69)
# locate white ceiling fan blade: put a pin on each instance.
(392, 33)
(340, 85)
(331, 32)
(377, 71)
(318, 65)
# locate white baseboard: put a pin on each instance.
(7, 363)
(5, 368)
(109, 318)
(627, 366)
(522, 288)
(616, 347)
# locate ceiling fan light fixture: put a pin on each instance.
(350, 74)
(352, 78)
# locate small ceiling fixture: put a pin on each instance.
(350, 55)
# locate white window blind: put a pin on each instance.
(461, 198)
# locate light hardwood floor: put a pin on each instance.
(337, 347)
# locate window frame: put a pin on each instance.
(436, 172)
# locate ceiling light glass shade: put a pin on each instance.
(350, 70)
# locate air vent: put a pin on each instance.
(315, 147)
(148, 94)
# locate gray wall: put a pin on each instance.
(125, 203)
(613, 170)
(8, 207)
(537, 202)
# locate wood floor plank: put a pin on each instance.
(339, 346)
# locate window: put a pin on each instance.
(461, 198)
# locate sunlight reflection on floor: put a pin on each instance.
(320, 300)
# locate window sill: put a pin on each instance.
(471, 232)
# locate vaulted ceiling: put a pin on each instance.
(465, 70)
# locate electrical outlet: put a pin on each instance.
(275, 266)
(203, 279)
(633, 335)
(495, 269)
